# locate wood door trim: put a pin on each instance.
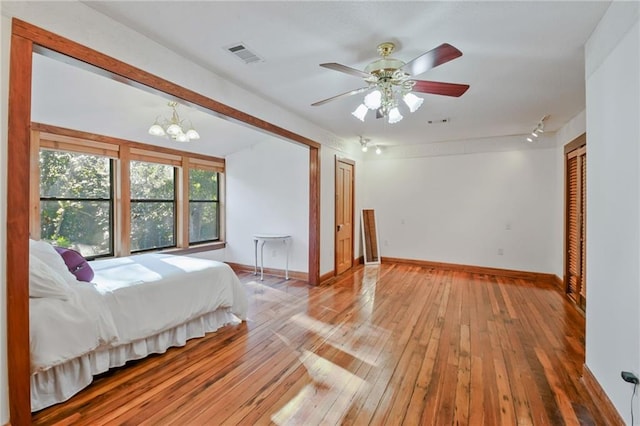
(25, 38)
(576, 143)
(352, 163)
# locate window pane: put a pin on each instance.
(203, 222)
(203, 185)
(152, 225)
(70, 175)
(75, 201)
(150, 181)
(82, 225)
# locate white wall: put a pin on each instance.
(267, 190)
(457, 208)
(4, 53)
(612, 66)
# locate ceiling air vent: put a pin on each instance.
(438, 121)
(242, 52)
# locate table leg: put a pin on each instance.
(286, 268)
(262, 260)
(255, 257)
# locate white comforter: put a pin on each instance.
(131, 298)
(150, 293)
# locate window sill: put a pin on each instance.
(198, 249)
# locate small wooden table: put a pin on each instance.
(263, 238)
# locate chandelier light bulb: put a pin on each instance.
(529, 139)
(413, 102)
(156, 130)
(365, 148)
(534, 134)
(181, 137)
(192, 134)
(394, 115)
(174, 130)
(378, 150)
(360, 112)
(373, 100)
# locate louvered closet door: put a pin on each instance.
(583, 229)
(576, 226)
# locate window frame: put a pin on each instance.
(111, 200)
(173, 201)
(122, 152)
(216, 202)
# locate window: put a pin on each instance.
(76, 201)
(153, 206)
(173, 198)
(203, 206)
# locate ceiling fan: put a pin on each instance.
(389, 79)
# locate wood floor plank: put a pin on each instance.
(389, 344)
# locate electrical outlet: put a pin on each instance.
(629, 377)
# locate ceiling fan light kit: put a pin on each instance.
(389, 80)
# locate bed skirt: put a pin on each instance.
(61, 382)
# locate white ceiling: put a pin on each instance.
(523, 59)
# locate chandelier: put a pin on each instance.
(389, 84)
(173, 127)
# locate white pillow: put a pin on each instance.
(47, 254)
(45, 282)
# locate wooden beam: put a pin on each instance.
(17, 249)
(314, 216)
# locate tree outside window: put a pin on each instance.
(153, 206)
(76, 202)
(203, 206)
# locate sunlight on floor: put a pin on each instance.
(332, 387)
(333, 334)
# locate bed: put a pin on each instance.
(133, 306)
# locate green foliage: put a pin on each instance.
(203, 206)
(152, 223)
(76, 204)
(75, 214)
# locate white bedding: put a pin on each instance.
(150, 293)
(135, 306)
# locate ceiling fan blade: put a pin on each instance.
(440, 88)
(431, 59)
(342, 95)
(345, 69)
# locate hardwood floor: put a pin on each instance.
(394, 344)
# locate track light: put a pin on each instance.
(364, 143)
(538, 130)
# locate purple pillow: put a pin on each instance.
(76, 264)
